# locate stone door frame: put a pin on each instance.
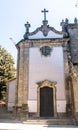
(48, 84)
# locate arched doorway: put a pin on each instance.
(46, 102)
(46, 99)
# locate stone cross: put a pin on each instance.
(44, 11)
(27, 25)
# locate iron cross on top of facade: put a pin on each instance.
(44, 11)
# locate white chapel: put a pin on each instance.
(47, 70)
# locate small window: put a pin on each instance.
(45, 50)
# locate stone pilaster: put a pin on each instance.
(21, 106)
(17, 81)
(75, 87)
(66, 67)
(20, 80)
(25, 73)
(68, 83)
(75, 94)
(25, 79)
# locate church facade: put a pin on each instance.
(47, 71)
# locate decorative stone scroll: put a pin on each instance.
(45, 28)
(47, 83)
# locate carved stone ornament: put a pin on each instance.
(46, 83)
(45, 28)
(73, 71)
(46, 50)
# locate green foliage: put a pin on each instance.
(7, 70)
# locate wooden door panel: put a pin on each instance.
(46, 102)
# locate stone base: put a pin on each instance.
(32, 114)
(61, 115)
(25, 110)
(20, 111)
(76, 118)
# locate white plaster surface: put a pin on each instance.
(46, 68)
(32, 105)
(51, 34)
(11, 94)
(61, 105)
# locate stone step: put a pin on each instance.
(55, 121)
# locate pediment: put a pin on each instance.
(44, 32)
(46, 83)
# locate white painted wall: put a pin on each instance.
(61, 105)
(46, 68)
(51, 34)
(11, 94)
(32, 105)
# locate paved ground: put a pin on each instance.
(18, 125)
(7, 123)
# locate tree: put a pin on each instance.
(7, 70)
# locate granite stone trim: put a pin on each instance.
(20, 80)
(41, 85)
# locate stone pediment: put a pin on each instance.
(43, 32)
(46, 83)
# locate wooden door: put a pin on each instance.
(46, 102)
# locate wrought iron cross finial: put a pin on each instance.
(44, 11)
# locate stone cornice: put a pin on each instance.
(57, 41)
(72, 26)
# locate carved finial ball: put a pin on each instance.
(76, 5)
(62, 23)
(66, 21)
(62, 20)
(27, 25)
(75, 20)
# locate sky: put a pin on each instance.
(15, 13)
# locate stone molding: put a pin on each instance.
(51, 84)
(53, 42)
(44, 29)
(46, 83)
